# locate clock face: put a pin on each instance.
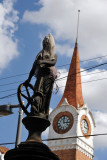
(63, 122)
(84, 126)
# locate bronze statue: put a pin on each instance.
(37, 120)
(45, 72)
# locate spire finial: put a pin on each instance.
(77, 26)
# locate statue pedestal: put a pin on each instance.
(32, 148)
(31, 151)
(35, 126)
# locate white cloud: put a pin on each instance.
(61, 80)
(95, 89)
(64, 49)
(8, 43)
(62, 19)
(101, 128)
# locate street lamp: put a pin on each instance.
(6, 110)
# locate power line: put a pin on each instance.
(11, 95)
(88, 81)
(2, 144)
(84, 60)
(8, 90)
(8, 96)
(92, 67)
(94, 58)
(14, 76)
(93, 73)
(6, 84)
(84, 70)
(92, 135)
(56, 80)
(57, 66)
(14, 94)
(81, 75)
(94, 80)
(61, 78)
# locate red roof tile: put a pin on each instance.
(73, 89)
(3, 150)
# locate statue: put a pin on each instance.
(45, 72)
(36, 120)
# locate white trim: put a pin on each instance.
(1, 156)
(85, 107)
(85, 143)
(85, 152)
(56, 148)
(69, 143)
(73, 146)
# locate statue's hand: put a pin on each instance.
(27, 82)
(39, 62)
(42, 65)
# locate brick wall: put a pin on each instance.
(68, 154)
(71, 154)
(81, 156)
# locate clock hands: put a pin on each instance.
(63, 122)
(84, 126)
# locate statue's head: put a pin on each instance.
(49, 44)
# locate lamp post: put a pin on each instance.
(6, 110)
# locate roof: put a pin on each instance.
(73, 88)
(3, 150)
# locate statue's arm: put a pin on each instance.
(32, 72)
(49, 62)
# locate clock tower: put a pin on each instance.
(72, 122)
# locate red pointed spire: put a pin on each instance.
(73, 89)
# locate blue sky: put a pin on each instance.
(23, 25)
